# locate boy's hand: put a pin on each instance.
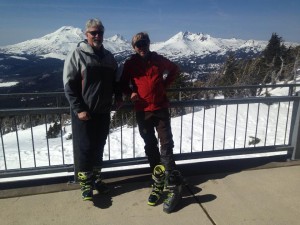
(134, 97)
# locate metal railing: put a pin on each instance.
(201, 129)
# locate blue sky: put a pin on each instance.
(22, 20)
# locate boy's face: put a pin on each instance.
(142, 47)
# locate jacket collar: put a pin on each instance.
(150, 56)
(85, 47)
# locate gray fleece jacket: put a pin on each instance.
(90, 79)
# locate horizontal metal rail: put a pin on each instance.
(194, 137)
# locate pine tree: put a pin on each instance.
(54, 130)
(229, 74)
(230, 71)
(274, 52)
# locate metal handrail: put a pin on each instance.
(290, 145)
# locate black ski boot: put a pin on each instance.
(158, 177)
(98, 184)
(85, 181)
(174, 187)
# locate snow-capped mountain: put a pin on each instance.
(59, 43)
(183, 44)
(37, 64)
(117, 44)
(186, 44)
(54, 45)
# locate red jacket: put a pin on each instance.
(149, 78)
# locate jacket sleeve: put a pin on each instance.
(72, 82)
(127, 85)
(171, 70)
(117, 83)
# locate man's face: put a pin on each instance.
(94, 37)
(141, 47)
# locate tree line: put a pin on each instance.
(276, 63)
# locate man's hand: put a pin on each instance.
(84, 115)
(134, 97)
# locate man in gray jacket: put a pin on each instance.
(90, 83)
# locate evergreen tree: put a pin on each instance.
(230, 71)
(274, 52)
(54, 130)
(229, 74)
(181, 81)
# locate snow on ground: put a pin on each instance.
(8, 84)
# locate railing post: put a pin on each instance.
(295, 129)
(76, 150)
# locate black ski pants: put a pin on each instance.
(159, 120)
(92, 135)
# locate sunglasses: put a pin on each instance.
(94, 33)
(141, 43)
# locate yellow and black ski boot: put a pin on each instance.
(174, 187)
(98, 184)
(158, 177)
(85, 181)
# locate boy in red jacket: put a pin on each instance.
(145, 77)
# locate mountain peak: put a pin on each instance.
(117, 38)
(189, 36)
(65, 29)
(66, 32)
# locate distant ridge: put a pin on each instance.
(60, 42)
